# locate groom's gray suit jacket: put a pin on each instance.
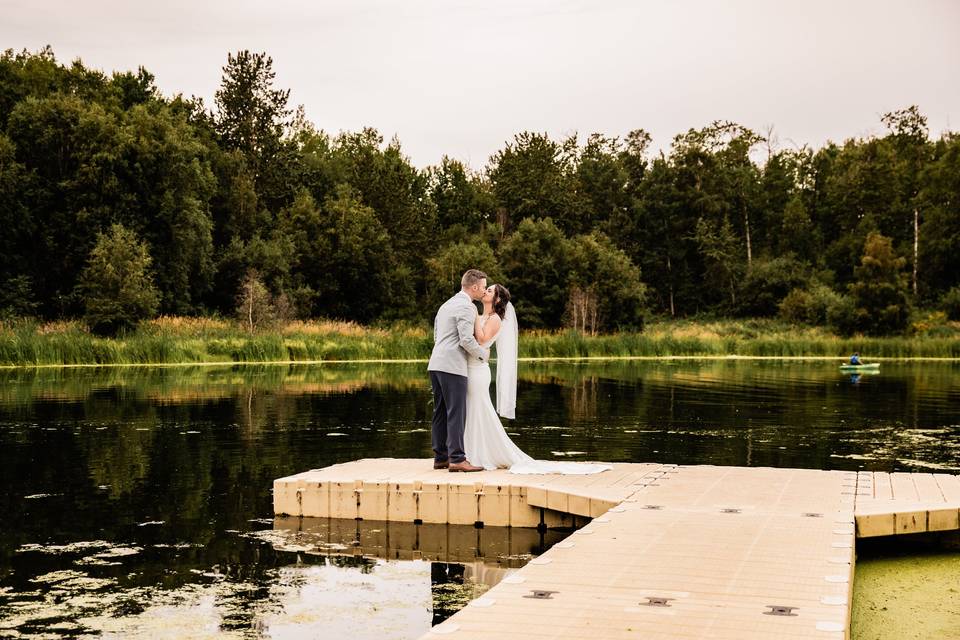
(453, 336)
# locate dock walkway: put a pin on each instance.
(667, 551)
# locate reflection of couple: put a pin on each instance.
(465, 424)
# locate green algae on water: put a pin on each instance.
(907, 597)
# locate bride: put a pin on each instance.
(485, 440)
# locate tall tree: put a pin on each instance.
(447, 266)
(251, 118)
(721, 179)
(70, 149)
(392, 187)
(17, 263)
(600, 181)
(718, 245)
(169, 182)
(940, 227)
(615, 295)
(797, 234)
(665, 248)
(860, 195)
(461, 198)
(305, 225)
(910, 138)
(363, 279)
(777, 185)
(116, 285)
(880, 290)
(531, 179)
(536, 264)
(624, 224)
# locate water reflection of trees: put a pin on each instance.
(191, 384)
(202, 445)
(197, 448)
(199, 383)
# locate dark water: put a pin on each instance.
(136, 502)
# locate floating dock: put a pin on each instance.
(663, 551)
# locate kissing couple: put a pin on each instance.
(467, 433)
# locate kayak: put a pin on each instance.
(873, 366)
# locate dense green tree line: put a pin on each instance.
(593, 234)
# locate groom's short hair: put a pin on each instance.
(472, 277)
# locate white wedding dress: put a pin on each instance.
(485, 441)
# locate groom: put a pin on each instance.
(452, 341)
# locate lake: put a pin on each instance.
(136, 502)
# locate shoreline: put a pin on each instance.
(571, 359)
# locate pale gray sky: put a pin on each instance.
(460, 77)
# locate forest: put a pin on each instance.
(119, 204)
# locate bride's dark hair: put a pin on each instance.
(501, 296)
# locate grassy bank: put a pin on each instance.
(195, 340)
(748, 338)
(201, 340)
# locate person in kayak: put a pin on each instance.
(855, 359)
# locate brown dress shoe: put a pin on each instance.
(464, 466)
(441, 465)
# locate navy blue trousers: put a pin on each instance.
(449, 416)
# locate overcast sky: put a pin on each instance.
(460, 77)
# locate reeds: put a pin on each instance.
(194, 340)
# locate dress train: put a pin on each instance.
(486, 441)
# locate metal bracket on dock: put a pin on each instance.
(653, 601)
(780, 610)
(653, 506)
(811, 515)
(729, 510)
(539, 594)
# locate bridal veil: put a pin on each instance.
(507, 364)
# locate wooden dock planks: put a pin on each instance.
(902, 503)
(718, 558)
(671, 551)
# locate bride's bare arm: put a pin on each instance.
(485, 332)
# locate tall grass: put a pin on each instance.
(194, 340)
